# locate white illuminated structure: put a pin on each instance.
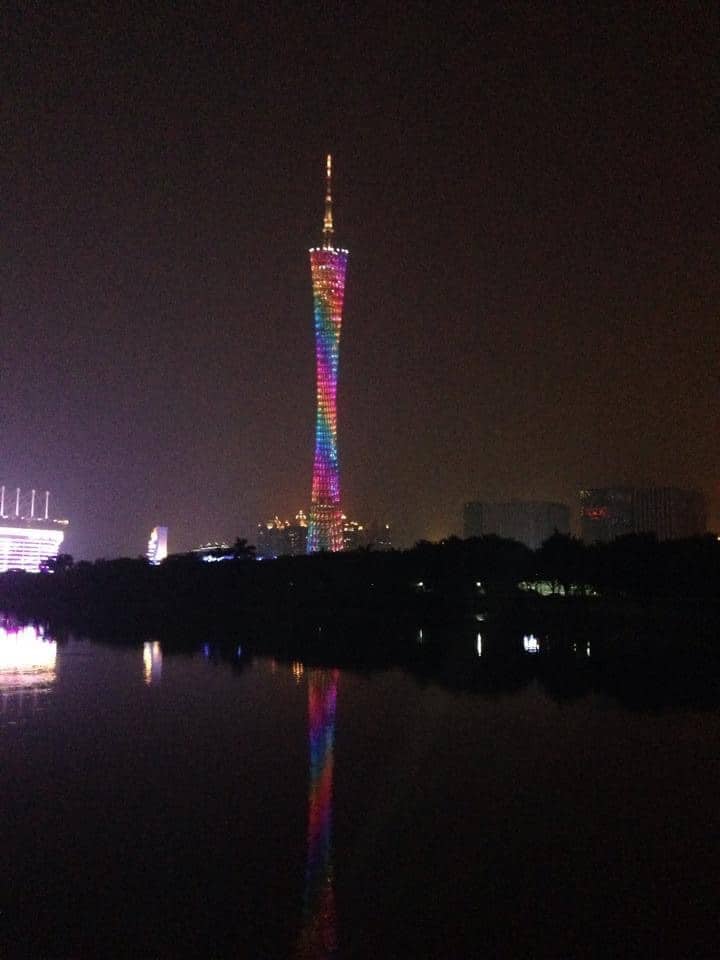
(157, 545)
(27, 540)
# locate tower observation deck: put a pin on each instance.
(328, 266)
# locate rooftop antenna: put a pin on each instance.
(2, 501)
(32, 504)
(328, 219)
(17, 501)
(47, 503)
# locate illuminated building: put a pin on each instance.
(286, 538)
(158, 545)
(354, 534)
(327, 266)
(668, 512)
(27, 540)
(282, 538)
(380, 536)
(606, 513)
(529, 522)
(212, 547)
(318, 938)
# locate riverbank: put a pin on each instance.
(375, 607)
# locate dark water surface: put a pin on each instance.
(185, 806)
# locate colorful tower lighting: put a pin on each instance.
(327, 267)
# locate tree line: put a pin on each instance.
(451, 575)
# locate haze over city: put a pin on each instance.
(529, 197)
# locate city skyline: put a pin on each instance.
(535, 261)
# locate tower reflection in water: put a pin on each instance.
(318, 938)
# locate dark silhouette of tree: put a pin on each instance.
(242, 550)
(562, 560)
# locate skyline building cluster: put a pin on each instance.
(282, 538)
(529, 522)
(288, 538)
(671, 513)
(28, 538)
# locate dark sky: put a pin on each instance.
(529, 195)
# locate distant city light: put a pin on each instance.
(479, 645)
(281, 538)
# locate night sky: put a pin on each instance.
(529, 196)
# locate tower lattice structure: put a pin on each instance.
(328, 266)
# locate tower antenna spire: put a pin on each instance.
(328, 219)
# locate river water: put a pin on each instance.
(192, 805)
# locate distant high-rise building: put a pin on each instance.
(380, 536)
(354, 534)
(357, 534)
(328, 266)
(529, 522)
(606, 513)
(669, 512)
(286, 538)
(158, 545)
(27, 539)
(282, 538)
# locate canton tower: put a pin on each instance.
(327, 268)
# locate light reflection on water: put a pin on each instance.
(152, 662)
(318, 937)
(27, 659)
(531, 644)
(248, 776)
(27, 670)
